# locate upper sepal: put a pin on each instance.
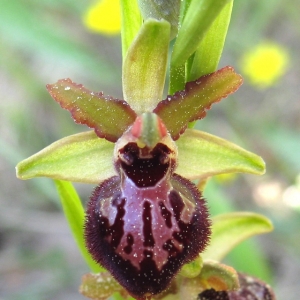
(145, 66)
(108, 116)
(191, 103)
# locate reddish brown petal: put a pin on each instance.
(108, 116)
(191, 104)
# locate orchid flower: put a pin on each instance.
(146, 220)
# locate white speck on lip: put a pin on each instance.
(67, 88)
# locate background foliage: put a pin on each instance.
(45, 40)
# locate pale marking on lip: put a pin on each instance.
(161, 233)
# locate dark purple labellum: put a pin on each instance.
(144, 224)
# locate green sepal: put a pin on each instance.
(75, 216)
(228, 230)
(208, 53)
(201, 155)
(167, 10)
(85, 158)
(191, 104)
(197, 20)
(108, 116)
(145, 66)
(81, 157)
(131, 21)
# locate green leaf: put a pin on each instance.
(145, 66)
(109, 117)
(208, 54)
(230, 229)
(190, 104)
(100, 286)
(201, 155)
(256, 263)
(131, 21)
(196, 22)
(167, 10)
(75, 216)
(81, 157)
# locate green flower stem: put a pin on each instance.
(75, 215)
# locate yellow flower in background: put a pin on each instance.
(264, 64)
(104, 17)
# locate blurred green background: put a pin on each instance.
(45, 40)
